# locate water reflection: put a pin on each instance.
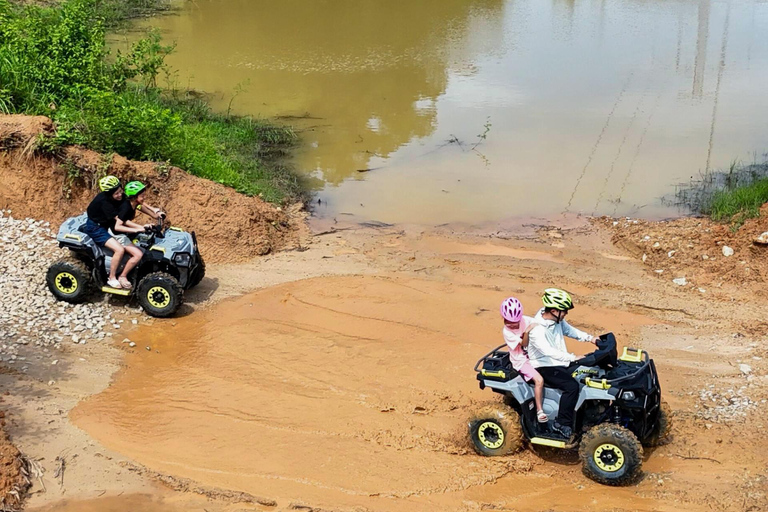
(358, 80)
(594, 106)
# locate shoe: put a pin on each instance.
(562, 430)
(125, 283)
(541, 416)
(114, 283)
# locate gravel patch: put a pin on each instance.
(33, 324)
(725, 405)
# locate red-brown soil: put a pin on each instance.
(230, 227)
(693, 248)
(13, 482)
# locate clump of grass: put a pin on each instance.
(738, 204)
(54, 61)
(732, 196)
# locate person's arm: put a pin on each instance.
(122, 227)
(537, 341)
(525, 339)
(135, 225)
(511, 339)
(151, 211)
(572, 332)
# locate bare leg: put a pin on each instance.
(538, 392)
(136, 256)
(117, 257)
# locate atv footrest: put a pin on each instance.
(554, 443)
(116, 291)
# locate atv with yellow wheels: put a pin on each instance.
(619, 411)
(171, 264)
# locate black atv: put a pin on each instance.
(171, 264)
(619, 411)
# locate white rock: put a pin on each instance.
(131, 344)
(745, 369)
(671, 253)
(727, 251)
(645, 257)
(680, 281)
(762, 239)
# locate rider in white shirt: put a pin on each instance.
(549, 355)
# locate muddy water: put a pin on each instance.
(336, 392)
(596, 106)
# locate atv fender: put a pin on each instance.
(588, 393)
(516, 387)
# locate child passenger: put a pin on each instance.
(516, 328)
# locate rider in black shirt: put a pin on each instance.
(102, 216)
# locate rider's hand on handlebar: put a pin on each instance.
(148, 227)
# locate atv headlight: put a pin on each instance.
(628, 396)
(182, 259)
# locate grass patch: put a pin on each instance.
(731, 196)
(54, 61)
(740, 203)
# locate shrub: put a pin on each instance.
(54, 61)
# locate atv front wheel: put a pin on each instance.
(69, 280)
(610, 454)
(160, 294)
(495, 431)
(663, 429)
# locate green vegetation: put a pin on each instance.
(54, 61)
(731, 196)
(738, 204)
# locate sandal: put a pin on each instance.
(125, 283)
(541, 416)
(114, 283)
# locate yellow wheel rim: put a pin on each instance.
(609, 457)
(65, 282)
(158, 297)
(490, 434)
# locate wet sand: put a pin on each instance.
(338, 391)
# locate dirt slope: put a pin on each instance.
(697, 249)
(230, 227)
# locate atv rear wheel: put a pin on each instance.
(495, 430)
(160, 294)
(69, 280)
(610, 454)
(663, 429)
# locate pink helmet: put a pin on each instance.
(512, 310)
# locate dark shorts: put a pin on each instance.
(97, 233)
